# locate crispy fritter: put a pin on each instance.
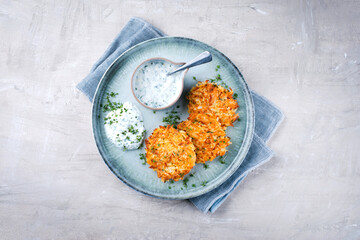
(170, 153)
(208, 97)
(207, 134)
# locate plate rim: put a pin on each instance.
(248, 136)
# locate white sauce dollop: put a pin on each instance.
(153, 87)
(125, 127)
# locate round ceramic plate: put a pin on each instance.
(127, 165)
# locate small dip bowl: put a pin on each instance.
(153, 88)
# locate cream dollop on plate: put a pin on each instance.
(125, 127)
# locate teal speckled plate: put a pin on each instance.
(126, 165)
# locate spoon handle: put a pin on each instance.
(201, 59)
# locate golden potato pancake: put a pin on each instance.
(208, 136)
(208, 97)
(170, 153)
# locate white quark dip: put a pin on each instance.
(124, 126)
(153, 87)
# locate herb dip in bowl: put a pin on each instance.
(153, 88)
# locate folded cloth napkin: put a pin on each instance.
(267, 116)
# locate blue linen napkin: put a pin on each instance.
(267, 116)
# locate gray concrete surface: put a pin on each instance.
(302, 55)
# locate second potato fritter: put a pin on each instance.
(208, 136)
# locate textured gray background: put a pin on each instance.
(302, 55)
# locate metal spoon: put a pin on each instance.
(204, 57)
